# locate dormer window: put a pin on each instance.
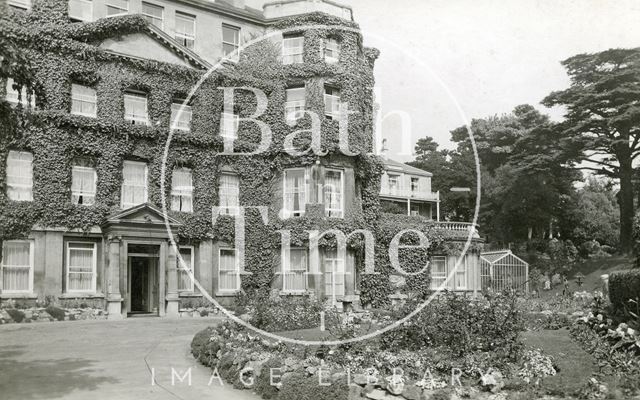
(292, 49)
(117, 7)
(331, 47)
(154, 14)
(135, 108)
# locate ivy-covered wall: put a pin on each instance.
(60, 52)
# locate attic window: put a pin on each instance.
(117, 7)
(186, 30)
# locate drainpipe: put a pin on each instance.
(438, 208)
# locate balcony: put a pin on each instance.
(463, 228)
(413, 194)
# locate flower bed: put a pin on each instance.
(49, 314)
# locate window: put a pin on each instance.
(185, 283)
(81, 10)
(14, 96)
(438, 272)
(333, 273)
(182, 190)
(331, 50)
(461, 275)
(17, 266)
(294, 274)
(83, 185)
(83, 100)
(117, 7)
(180, 116)
(295, 103)
(20, 176)
(134, 184)
(229, 193)
(21, 4)
(135, 108)
(332, 102)
(230, 39)
(394, 184)
(292, 50)
(415, 184)
(153, 14)
(333, 193)
(186, 30)
(294, 192)
(81, 267)
(228, 271)
(229, 125)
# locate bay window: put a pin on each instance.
(186, 30)
(461, 274)
(295, 265)
(185, 283)
(295, 103)
(180, 116)
(83, 185)
(135, 108)
(228, 271)
(332, 102)
(83, 100)
(19, 176)
(334, 193)
(229, 193)
(334, 273)
(295, 192)
(134, 184)
(81, 267)
(438, 272)
(182, 190)
(17, 266)
(331, 49)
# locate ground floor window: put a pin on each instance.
(438, 271)
(185, 283)
(461, 274)
(228, 271)
(334, 273)
(295, 265)
(81, 267)
(17, 266)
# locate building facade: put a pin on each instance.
(102, 133)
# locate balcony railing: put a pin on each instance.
(463, 227)
(408, 193)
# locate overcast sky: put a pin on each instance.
(490, 55)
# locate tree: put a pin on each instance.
(601, 131)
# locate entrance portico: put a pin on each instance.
(141, 269)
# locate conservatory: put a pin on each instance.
(503, 270)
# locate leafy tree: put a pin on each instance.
(601, 130)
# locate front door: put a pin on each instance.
(143, 285)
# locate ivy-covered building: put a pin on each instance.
(99, 117)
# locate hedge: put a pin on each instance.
(624, 285)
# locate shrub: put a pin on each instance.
(203, 348)
(16, 315)
(55, 312)
(284, 314)
(301, 387)
(623, 286)
(263, 382)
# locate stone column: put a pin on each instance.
(173, 300)
(114, 296)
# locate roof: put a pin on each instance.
(494, 256)
(394, 165)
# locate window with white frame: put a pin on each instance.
(15, 96)
(81, 267)
(21, 4)
(228, 271)
(117, 7)
(20, 176)
(331, 48)
(135, 108)
(17, 266)
(294, 271)
(230, 40)
(334, 273)
(438, 272)
(229, 193)
(394, 183)
(154, 14)
(295, 192)
(415, 184)
(182, 190)
(185, 283)
(332, 102)
(83, 100)
(462, 274)
(186, 30)
(83, 185)
(334, 193)
(180, 115)
(295, 103)
(134, 184)
(292, 49)
(81, 10)
(229, 125)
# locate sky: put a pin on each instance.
(445, 62)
